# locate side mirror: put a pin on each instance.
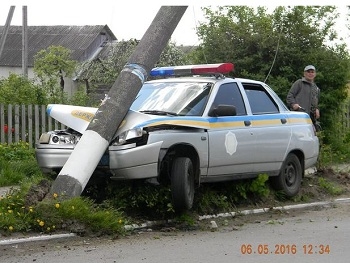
(223, 110)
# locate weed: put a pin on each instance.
(330, 187)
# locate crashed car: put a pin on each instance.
(193, 125)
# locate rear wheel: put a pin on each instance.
(289, 179)
(182, 183)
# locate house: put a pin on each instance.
(85, 42)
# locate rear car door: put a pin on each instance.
(269, 126)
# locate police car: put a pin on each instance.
(192, 125)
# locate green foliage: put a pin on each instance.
(17, 163)
(210, 200)
(330, 187)
(154, 201)
(147, 199)
(13, 215)
(77, 214)
(223, 197)
(186, 219)
(14, 172)
(171, 56)
(251, 188)
(106, 68)
(16, 152)
(55, 62)
(57, 213)
(259, 187)
(335, 148)
(81, 98)
(51, 65)
(19, 90)
(8, 176)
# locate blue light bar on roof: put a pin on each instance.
(202, 69)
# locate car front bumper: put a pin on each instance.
(124, 162)
(52, 157)
(134, 162)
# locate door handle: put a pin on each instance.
(284, 121)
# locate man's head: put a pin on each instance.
(310, 72)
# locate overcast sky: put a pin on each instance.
(129, 19)
(125, 20)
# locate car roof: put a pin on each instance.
(203, 79)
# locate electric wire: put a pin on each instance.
(274, 59)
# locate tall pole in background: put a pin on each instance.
(24, 42)
(84, 159)
(6, 29)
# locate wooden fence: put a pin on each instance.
(25, 123)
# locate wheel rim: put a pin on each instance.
(290, 175)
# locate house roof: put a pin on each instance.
(78, 39)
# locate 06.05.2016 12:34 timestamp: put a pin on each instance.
(285, 249)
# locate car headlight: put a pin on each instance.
(59, 137)
(128, 135)
(64, 139)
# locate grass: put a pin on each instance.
(79, 215)
(330, 187)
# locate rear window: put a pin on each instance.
(260, 101)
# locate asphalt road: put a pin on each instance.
(317, 234)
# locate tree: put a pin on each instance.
(274, 47)
(51, 65)
(107, 66)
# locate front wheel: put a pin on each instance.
(289, 179)
(182, 184)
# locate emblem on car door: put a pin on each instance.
(230, 143)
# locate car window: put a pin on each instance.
(259, 99)
(177, 98)
(229, 94)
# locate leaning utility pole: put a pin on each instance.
(6, 29)
(83, 161)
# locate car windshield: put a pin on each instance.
(172, 98)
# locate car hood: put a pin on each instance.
(79, 117)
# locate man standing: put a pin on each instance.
(304, 94)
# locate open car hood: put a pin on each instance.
(79, 117)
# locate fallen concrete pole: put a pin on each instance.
(81, 164)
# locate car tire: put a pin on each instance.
(182, 184)
(289, 179)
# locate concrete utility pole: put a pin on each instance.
(6, 29)
(81, 164)
(24, 42)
